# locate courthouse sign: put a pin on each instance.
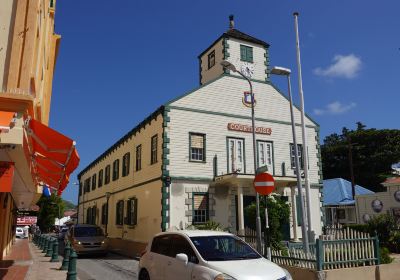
(249, 128)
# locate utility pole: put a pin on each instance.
(353, 185)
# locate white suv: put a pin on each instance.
(19, 232)
(205, 255)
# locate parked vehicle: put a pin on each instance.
(19, 232)
(87, 239)
(62, 233)
(205, 255)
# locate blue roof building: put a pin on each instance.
(338, 192)
(338, 201)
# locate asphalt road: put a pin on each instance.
(112, 266)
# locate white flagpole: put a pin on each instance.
(303, 126)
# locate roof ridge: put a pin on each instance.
(343, 188)
(236, 33)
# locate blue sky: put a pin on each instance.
(120, 60)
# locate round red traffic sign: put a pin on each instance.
(264, 183)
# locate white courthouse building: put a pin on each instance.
(204, 153)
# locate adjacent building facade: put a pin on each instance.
(387, 202)
(28, 51)
(339, 204)
(195, 155)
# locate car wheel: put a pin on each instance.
(144, 275)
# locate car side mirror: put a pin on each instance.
(183, 258)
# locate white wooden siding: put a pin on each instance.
(225, 95)
(258, 57)
(215, 127)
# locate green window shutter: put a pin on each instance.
(249, 54)
(135, 213)
(299, 212)
(243, 53)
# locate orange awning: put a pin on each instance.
(6, 120)
(52, 154)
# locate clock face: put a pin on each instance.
(247, 69)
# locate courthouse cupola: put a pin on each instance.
(240, 49)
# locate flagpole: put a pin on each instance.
(303, 127)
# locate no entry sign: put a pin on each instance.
(264, 183)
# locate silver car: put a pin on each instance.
(87, 239)
(19, 232)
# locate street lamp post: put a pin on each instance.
(230, 66)
(79, 198)
(286, 72)
(108, 194)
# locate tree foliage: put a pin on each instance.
(68, 205)
(374, 152)
(278, 215)
(49, 207)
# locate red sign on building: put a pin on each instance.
(6, 176)
(249, 128)
(26, 220)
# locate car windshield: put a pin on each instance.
(223, 248)
(87, 231)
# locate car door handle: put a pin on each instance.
(169, 263)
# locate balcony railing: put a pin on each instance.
(17, 91)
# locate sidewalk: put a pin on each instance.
(42, 268)
(27, 262)
(16, 264)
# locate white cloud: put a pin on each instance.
(344, 66)
(335, 108)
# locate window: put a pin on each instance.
(115, 175)
(300, 154)
(265, 157)
(138, 157)
(100, 178)
(131, 211)
(197, 147)
(107, 175)
(120, 213)
(86, 187)
(154, 149)
(341, 214)
(88, 215)
(91, 215)
(223, 248)
(351, 214)
(236, 155)
(104, 214)
(211, 59)
(200, 208)
(125, 164)
(94, 182)
(246, 53)
(94, 212)
(181, 246)
(161, 245)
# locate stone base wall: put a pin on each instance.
(379, 272)
(126, 247)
